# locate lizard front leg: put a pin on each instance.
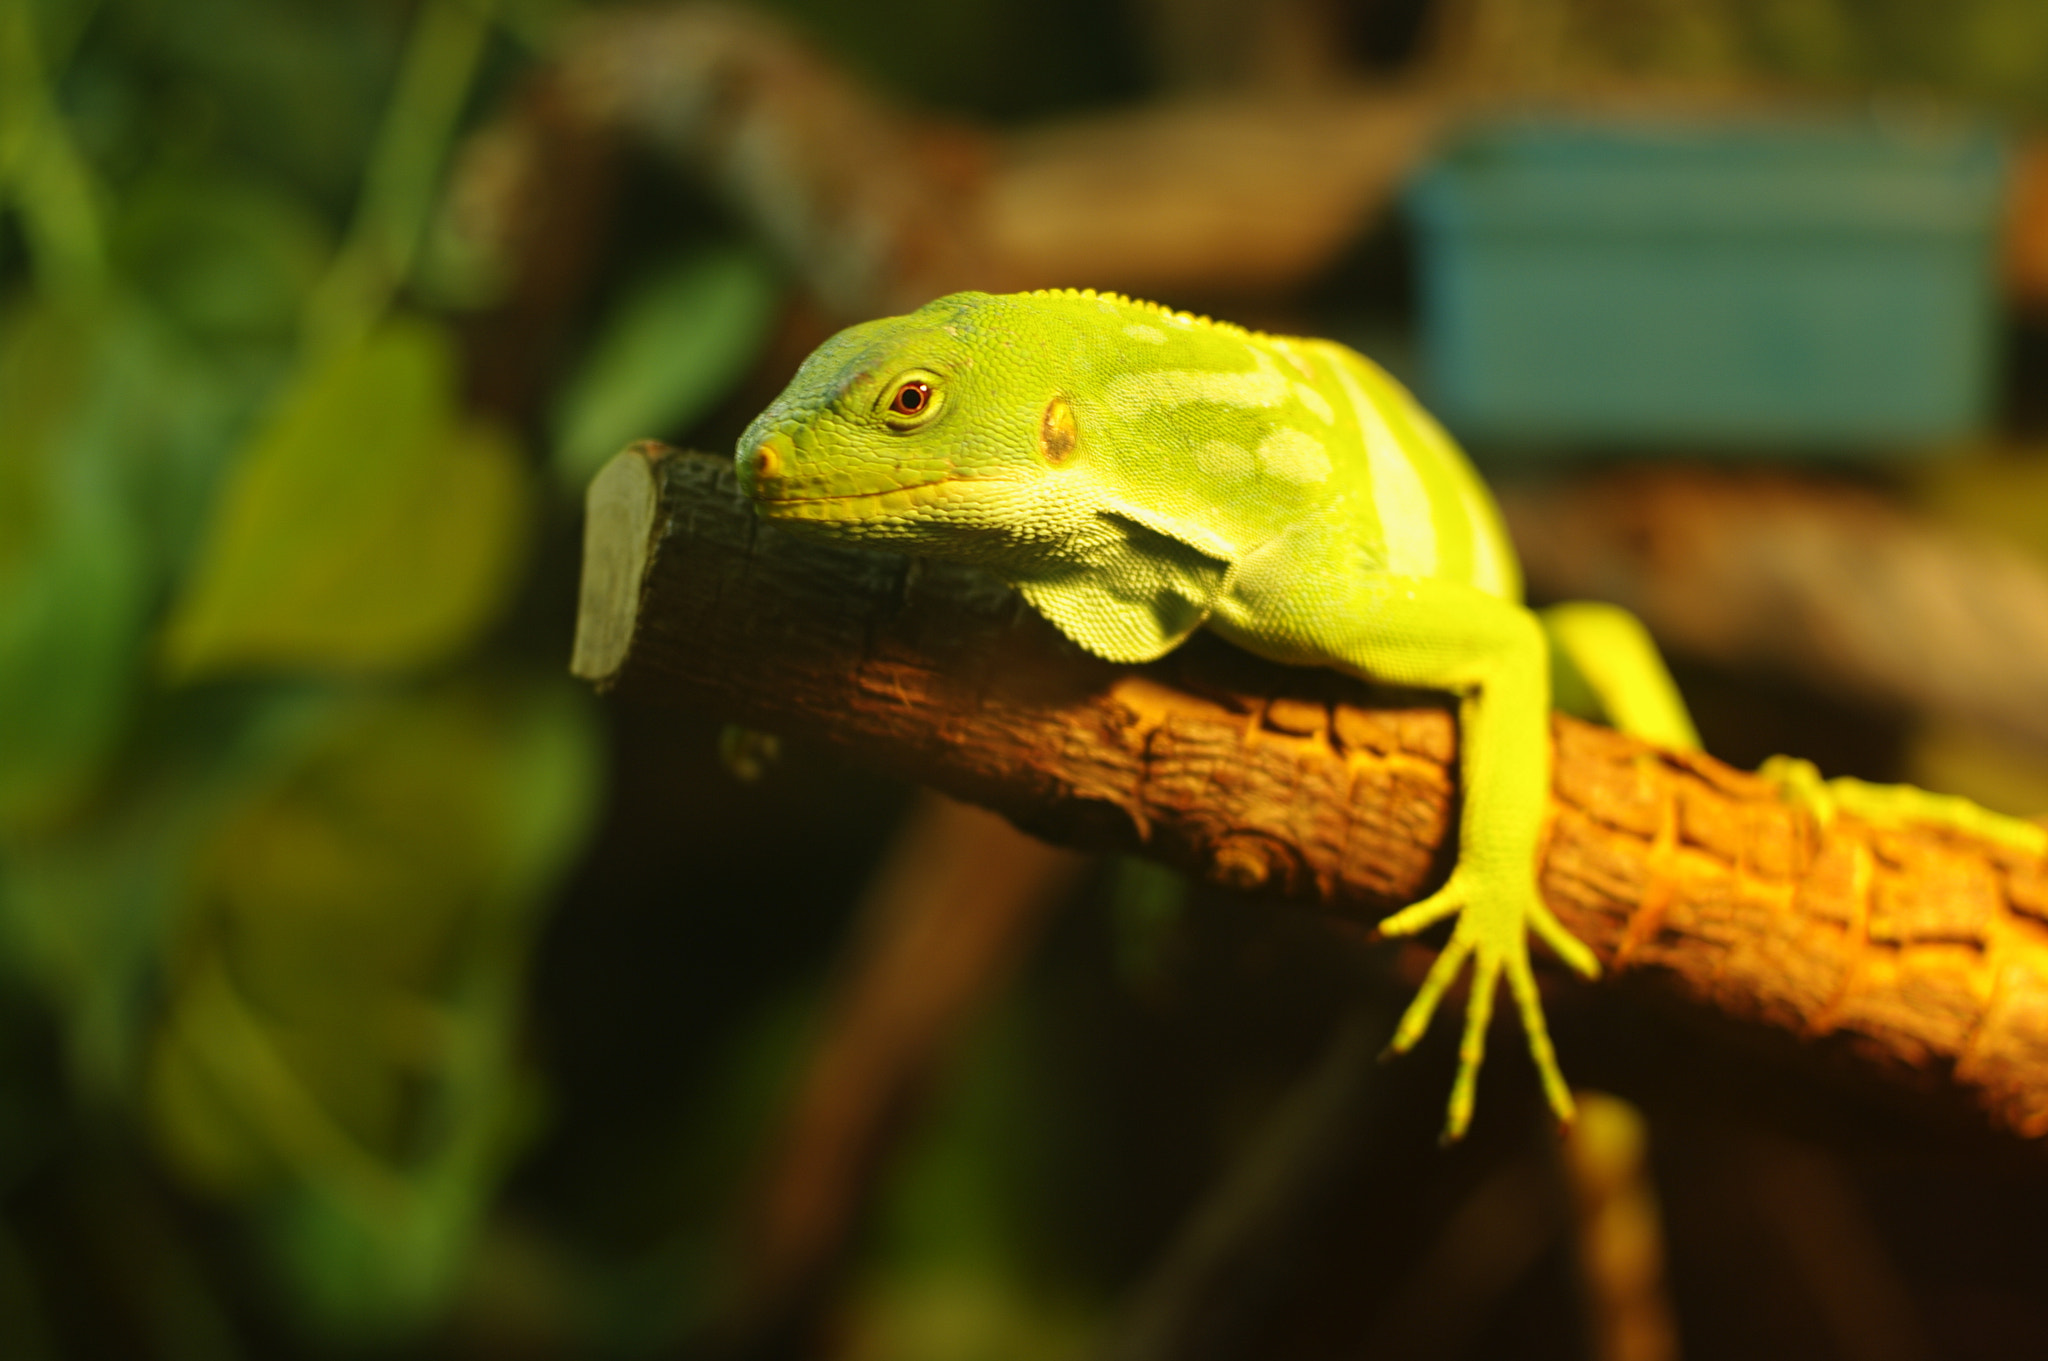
(1491, 653)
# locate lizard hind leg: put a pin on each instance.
(1892, 805)
(1604, 667)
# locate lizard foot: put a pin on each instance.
(1494, 938)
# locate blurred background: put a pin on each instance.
(370, 988)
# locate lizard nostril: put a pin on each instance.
(764, 464)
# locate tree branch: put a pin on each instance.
(1916, 952)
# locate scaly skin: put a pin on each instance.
(1139, 473)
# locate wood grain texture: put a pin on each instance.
(1915, 952)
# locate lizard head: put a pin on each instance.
(943, 431)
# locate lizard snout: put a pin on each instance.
(762, 467)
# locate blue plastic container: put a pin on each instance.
(1819, 285)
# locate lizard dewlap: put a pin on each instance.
(1140, 473)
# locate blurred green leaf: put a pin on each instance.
(339, 1035)
(677, 344)
(295, 85)
(370, 528)
(72, 569)
(45, 372)
(84, 908)
(53, 189)
(225, 254)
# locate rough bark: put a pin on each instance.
(1913, 951)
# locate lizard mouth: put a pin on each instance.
(823, 507)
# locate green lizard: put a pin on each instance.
(1139, 473)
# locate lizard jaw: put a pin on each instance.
(887, 503)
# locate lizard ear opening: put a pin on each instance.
(1058, 435)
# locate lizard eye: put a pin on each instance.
(910, 401)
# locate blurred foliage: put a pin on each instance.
(74, 559)
(994, 58)
(282, 793)
(679, 340)
(1147, 905)
(965, 1265)
(338, 1036)
(1993, 54)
